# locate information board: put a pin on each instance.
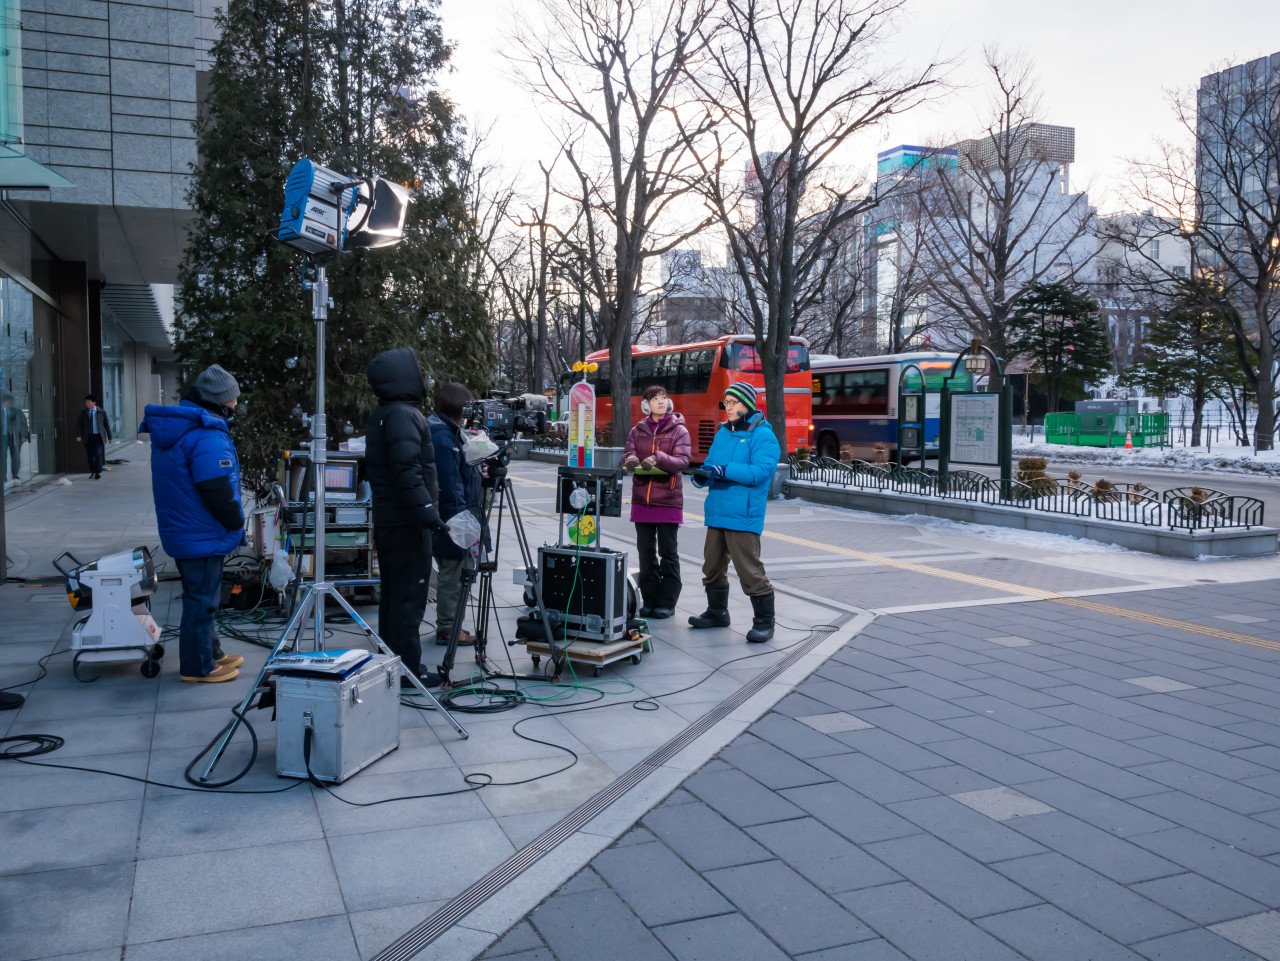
(975, 429)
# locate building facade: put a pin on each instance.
(97, 146)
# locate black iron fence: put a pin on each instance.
(1184, 508)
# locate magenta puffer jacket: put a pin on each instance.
(659, 500)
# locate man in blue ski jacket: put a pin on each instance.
(195, 480)
(737, 472)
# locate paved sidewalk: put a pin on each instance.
(96, 868)
(1013, 781)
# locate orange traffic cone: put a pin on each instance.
(1128, 440)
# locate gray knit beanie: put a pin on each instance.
(217, 386)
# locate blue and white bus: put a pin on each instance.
(855, 401)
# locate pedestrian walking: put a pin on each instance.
(737, 472)
(16, 431)
(94, 432)
(400, 464)
(657, 451)
(195, 480)
(461, 489)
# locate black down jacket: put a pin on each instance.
(399, 455)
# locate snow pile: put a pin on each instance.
(1009, 535)
(1228, 459)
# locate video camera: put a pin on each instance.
(503, 417)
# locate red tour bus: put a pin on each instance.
(695, 377)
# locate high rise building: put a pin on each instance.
(96, 149)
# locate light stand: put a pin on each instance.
(314, 595)
(499, 495)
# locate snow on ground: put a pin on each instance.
(1225, 459)
(1049, 543)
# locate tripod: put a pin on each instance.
(311, 603)
(498, 494)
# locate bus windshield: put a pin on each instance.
(746, 360)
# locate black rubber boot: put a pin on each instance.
(717, 612)
(762, 622)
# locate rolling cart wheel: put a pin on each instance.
(150, 668)
(635, 658)
(597, 671)
(537, 659)
(157, 651)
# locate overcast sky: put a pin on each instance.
(1104, 67)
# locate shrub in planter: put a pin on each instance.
(846, 454)
(1031, 472)
(1104, 490)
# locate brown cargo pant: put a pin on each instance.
(741, 547)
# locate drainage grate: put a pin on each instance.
(420, 937)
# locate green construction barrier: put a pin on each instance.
(1107, 430)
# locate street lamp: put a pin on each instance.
(975, 362)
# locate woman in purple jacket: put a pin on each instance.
(658, 450)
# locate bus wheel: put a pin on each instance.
(828, 446)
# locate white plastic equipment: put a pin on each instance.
(115, 590)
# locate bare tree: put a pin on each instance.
(1000, 217)
(1219, 190)
(616, 69)
(801, 77)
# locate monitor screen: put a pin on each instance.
(340, 476)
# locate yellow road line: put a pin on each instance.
(1006, 587)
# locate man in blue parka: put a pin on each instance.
(737, 472)
(461, 489)
(195, 480)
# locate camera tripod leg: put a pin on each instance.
(372, 637)
(557, 654)
(455, 632)
(287, 641)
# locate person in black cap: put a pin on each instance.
(195, 480)
(399, 461)
(94, 432)
(737, 472)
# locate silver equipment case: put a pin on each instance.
(355, 719)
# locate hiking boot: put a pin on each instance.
(659, 613)
(762, 621)
(229, 660)
(717, 612)
(465, 639)
(216, 676)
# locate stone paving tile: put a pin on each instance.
(1044, 933)
(921, 927)
(1237, 830)
(1198, 898)
(1231, 766)
(1099, 809)
(1101, 903)
(956, 880)
(741, 799)
(69, 836)
(1097, 774)
(898, 753)
(829, 694)
(869, 777)
(520, 938)
(994, 763)
(683, 895)
(1259, 933)
(838, 722)
(1198, 945)
(1249, 875)
(729, 937)
(702, 837)
(571, 927)
(953, 779)
(864, 951)
(1108, 750)
(328, 938)
(790, 910)
(1208, 787)
(34, 909)
(1000, 736)
(1001, 803)
(796, 738)
(849, 813)
(824, 857)
(912, 727)
(772, 766)
(975, 834)
(1003, 712)
(1094, 848)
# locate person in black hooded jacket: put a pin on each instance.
(400, 464)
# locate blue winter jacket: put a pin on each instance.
(460, 487)
(191, 448)
(750, 456)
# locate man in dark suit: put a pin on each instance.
(94, 432)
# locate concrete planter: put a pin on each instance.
(781, 474)
(1234, 542)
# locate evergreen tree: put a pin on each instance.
(349, 84)
(1189, 349)
(1058, 329)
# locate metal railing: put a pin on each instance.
(1184, 508)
